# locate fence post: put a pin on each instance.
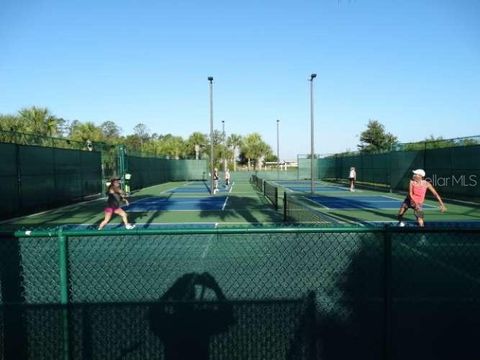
(63, 268)
(312, 326)
(387, 341)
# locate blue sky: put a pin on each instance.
(412, 65)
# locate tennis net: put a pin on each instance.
(270, 191)
(298, 211)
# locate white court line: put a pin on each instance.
(226, 198)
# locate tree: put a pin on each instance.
(9, 123)
(234, 142)
(110, 130)
(375, 139)
(172, 146)
(85, 132)
(39, 121)
(141, 131)
(195, 144)
(254, 148)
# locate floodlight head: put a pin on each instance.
(210, 78)
(313, 76)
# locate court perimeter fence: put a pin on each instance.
(35, 178)
(275, 293)
(453, 170)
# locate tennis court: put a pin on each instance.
(190, 202)
(181, 202)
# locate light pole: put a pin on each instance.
(312, 148)
(278, 150)
(210, 80)
(224, 147)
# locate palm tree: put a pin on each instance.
(39, 121)
(85, 132)
(234, 142)
(255, 148)
(173, 146)
(195, 143)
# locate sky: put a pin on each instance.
(412, 65)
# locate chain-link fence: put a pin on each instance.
(454, 169)
(379, 293)
(61, 176)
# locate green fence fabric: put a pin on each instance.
(9, 180)
(454, 171)
(35, 178)
(147, 171)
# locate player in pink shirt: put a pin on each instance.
(416, 196)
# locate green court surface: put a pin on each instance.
(241, 204)
(386, 211)
(183, 203)
(364, 206)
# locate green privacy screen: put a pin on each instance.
(454, 171)
(35, 177)
(148, 171)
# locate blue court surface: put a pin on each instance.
(316, 188)
(360, 202)
(200, 187)
(212, 203)
(306, 186)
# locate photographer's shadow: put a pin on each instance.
(190, 312)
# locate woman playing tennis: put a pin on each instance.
(115, 197)
(416, 197)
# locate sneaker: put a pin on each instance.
(129, 226)
(401, 223)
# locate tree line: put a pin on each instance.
(234, 148)
(247, 150)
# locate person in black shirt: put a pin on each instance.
(115, 197)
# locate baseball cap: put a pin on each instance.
(420, 172)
